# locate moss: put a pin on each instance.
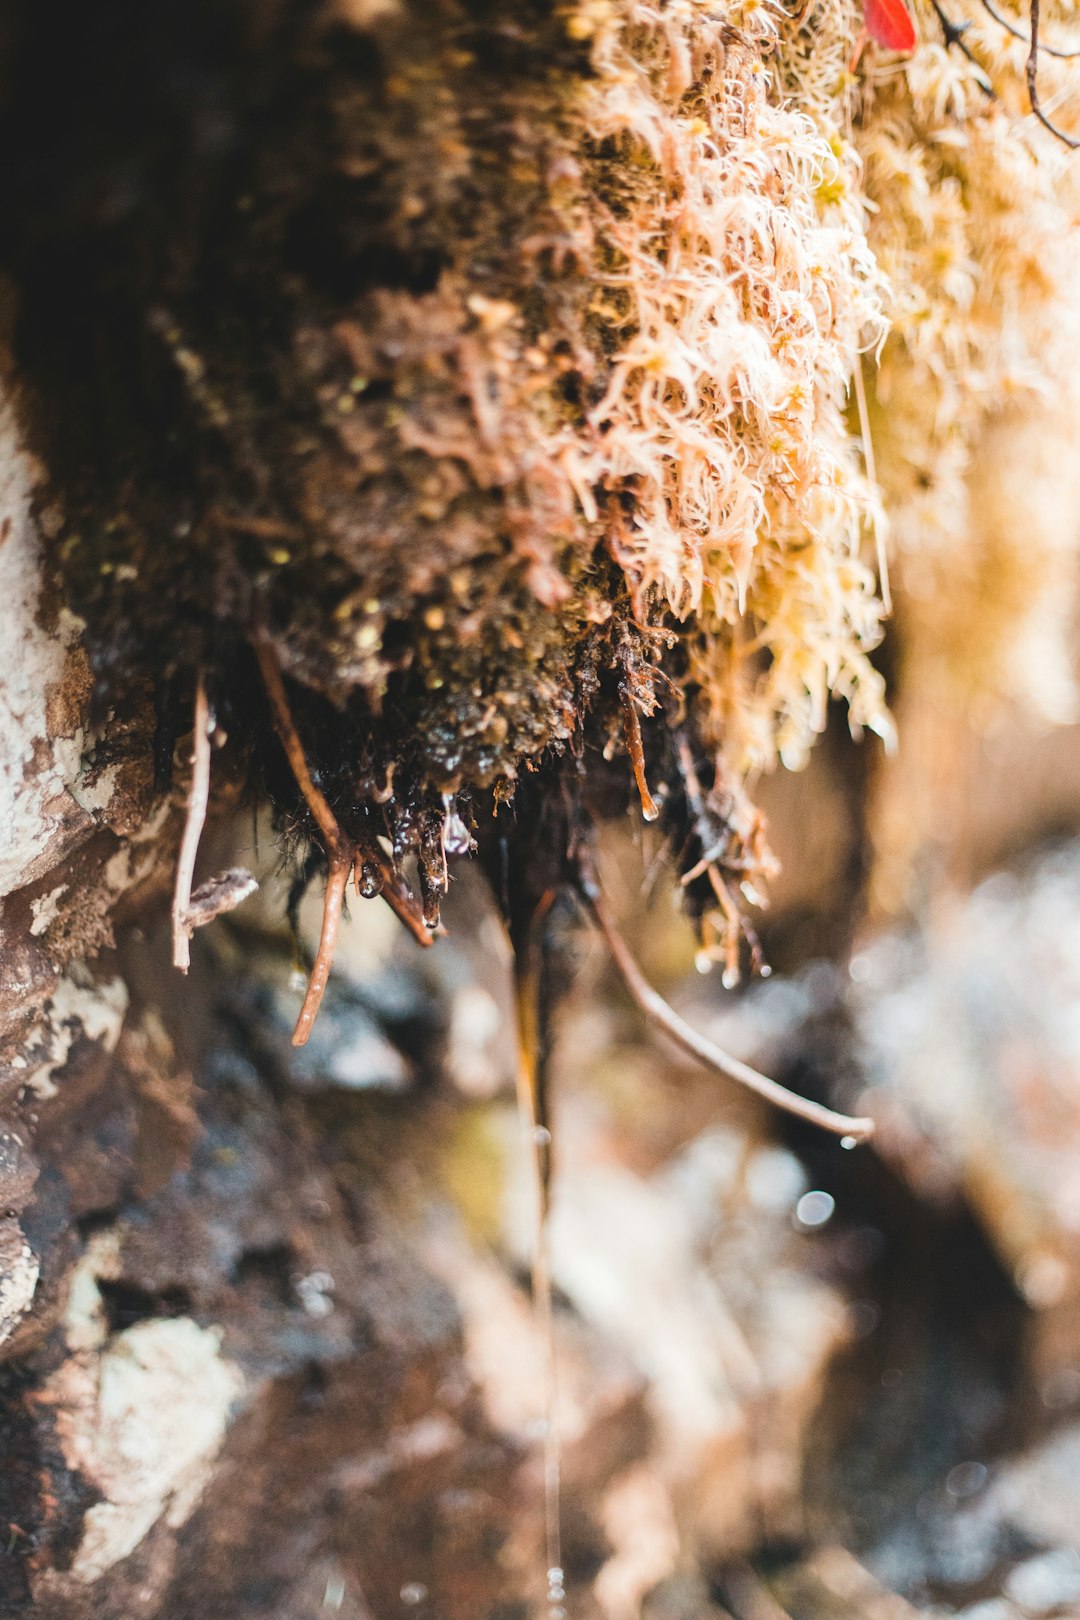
(493, 373)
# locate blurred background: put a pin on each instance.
(793, 1380)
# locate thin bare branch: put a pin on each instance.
(198, 796)
(658, 1012)
(953, 33)
(1033, 84)
(1018, 33)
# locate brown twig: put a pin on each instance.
(341, 864)
(198, 795)
(1018, 33)
(954, 35)
(658, 1012)
(1033, 84)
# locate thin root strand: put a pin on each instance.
(334, 840)
(341, 865)
(637, 753)
(658, 1012)
(198, 796)
(285, 726)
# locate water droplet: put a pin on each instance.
(413, 1592)
(814, 1209)
(370, 881)
(703, 962)
(765, 971)
(860, 968)
(863, 1318)
(456, 837)
(966, 1479)
(849, 1142)
(730, 978)
(555, 1593)
(542, 1136)
(1042, 1279)
(649, 814)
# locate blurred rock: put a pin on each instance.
(832, 1585)
(693, 1275)
(970, 1042)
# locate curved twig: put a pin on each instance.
(1033, 84)
(1018, 33)
(658, 1012)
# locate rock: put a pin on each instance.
(1047, 1582)
(970, 1041)
(19, 1270)
(691, 1276)
(992, 1609)
(831, 1584)
(1039, 1493)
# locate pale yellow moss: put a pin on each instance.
(977, 223)
(737, 292)
(764, 222)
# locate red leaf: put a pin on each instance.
(889, 23)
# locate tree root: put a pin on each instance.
(658, 1012)
(341, 853)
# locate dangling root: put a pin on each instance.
(341, 852)
(289, 737)
(715, 842)
(637, 753)
(657, 1011)
(533, 1113)
(341, 864)
(871, 477)
(198, 795)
